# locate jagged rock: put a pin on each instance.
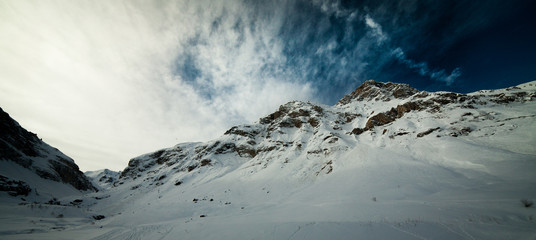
(25, 149)
(407, 107)
(14, 188)
(372, 90)
(245, 131)
(382, 119)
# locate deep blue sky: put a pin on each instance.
(492, 43)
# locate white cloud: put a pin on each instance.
(332, 7)
(376, 29)
(97, 79)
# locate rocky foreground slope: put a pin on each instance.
(386, 162)
(32, 169)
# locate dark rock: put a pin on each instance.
(283, 110)
(297, 122)
(14, 188)
(503, 98)
(70, 174)
(318, 109)
(191, 168)
(205, 162)
(349, 117)
(159, 156)
(407, 107)
(23, 148)
(381, 119)
(225, 148)
(313, 122)
(54, 201)
(395, 113)
(245, 151)
(358, 131)
(422, 134)
(245, 131)
(98, 217)
(300, 113)
(267, 149)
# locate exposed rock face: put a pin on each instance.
(254, 144)
(414, 100)
(372, 90)
(13, 187)
(27, 150)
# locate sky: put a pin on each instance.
(105, 81)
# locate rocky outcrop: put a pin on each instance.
(28, 151)
(14, 188)
(377, 91)
(423, 101)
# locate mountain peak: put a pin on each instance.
(372, 90)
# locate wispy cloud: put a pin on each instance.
(124, 78)
(422, 68)
(376, 29)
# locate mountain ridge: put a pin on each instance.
(326, 124)
(426, 165)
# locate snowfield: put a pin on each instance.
(387, 162)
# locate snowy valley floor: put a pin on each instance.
(386, 196)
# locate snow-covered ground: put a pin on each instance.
(454, 169)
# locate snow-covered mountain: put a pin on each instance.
(103, 178)
(386, 162)
(311, 138)
(32, 169)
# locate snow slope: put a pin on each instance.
(386, 162)
(103, 178)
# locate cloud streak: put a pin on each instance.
(420, 67)
(376, 29)
(423, 69)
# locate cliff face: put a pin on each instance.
(27, 151)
